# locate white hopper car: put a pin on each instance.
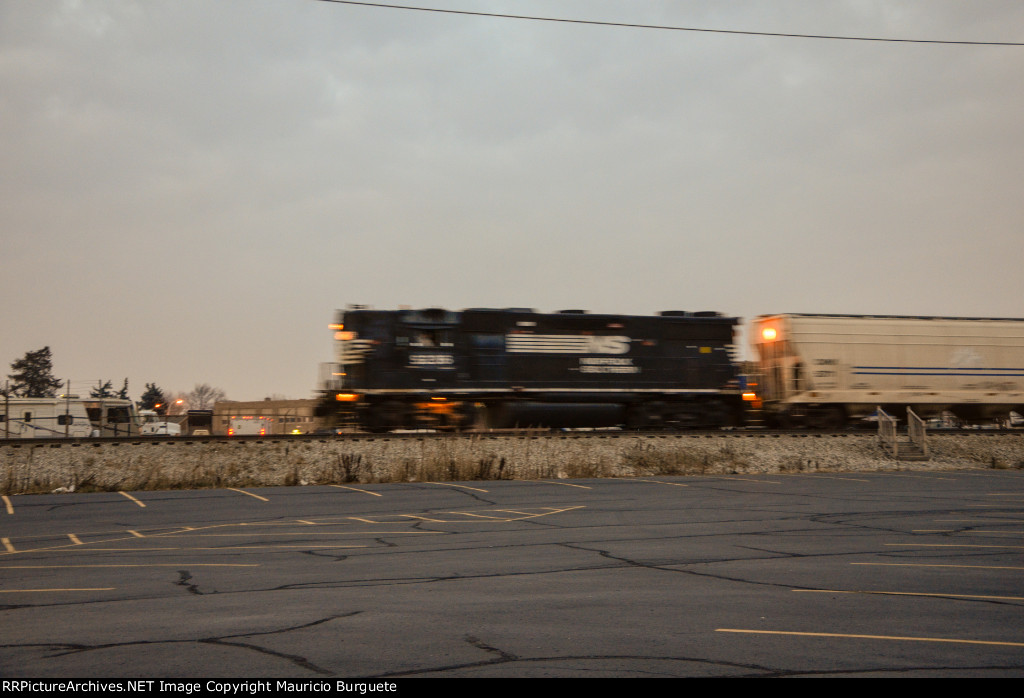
(825, 370)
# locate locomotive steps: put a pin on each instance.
(183, 463)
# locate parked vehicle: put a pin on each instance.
(152, 424)
(30, 417)
(251, 426)
(112, 416)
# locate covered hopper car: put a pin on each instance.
(825, 371)
(515, 367)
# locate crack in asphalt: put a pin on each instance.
(293, 658)
(677, 570)
(480, 644)
(772, 556)
(69, 649)
(473, 495)
(507, 658)
(329, 556)
(183, 580)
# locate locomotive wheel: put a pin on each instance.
(828, 417)
(715, 414)
(645, 415)
(472, 416)
(386, 416)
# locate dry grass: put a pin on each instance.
(197, 465)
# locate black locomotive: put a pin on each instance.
(515, 367)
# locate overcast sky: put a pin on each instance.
(189, 188)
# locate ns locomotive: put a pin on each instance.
(515, 367)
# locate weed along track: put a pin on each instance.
(110, 465)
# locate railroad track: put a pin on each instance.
(494, 434)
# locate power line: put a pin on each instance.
(672, 28)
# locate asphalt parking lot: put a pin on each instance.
(865, 574)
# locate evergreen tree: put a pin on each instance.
(33, 375)
(102, 390)
(123, 392)
(153, 397)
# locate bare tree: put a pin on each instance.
(177, 403)
(203, 397)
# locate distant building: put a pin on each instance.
(285, 416)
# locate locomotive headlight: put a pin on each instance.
(769, 334)
(344, 336)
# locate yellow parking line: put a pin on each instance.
(74, 539)
(499, 519)
(836, 477)
(873, 637)
(953, 530)
(249, 493)
(7, 503)
(988, 520)
(533, 515)
(661, 482)
(37, 591)
(914, 564)
(133, 499)
(356, 489)
(136, 534)
(311, 533)
(919, 476)
(742, 479)
(448, 484)
(555, 482)
(264, 547)
(156, 564)
(8, 546)
(954, 545)
(911, 593)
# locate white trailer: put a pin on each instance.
(821, 370)
(44, 418)
(152, 424)
(113, 416)
(250, 426)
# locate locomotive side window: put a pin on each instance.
(430, 338)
